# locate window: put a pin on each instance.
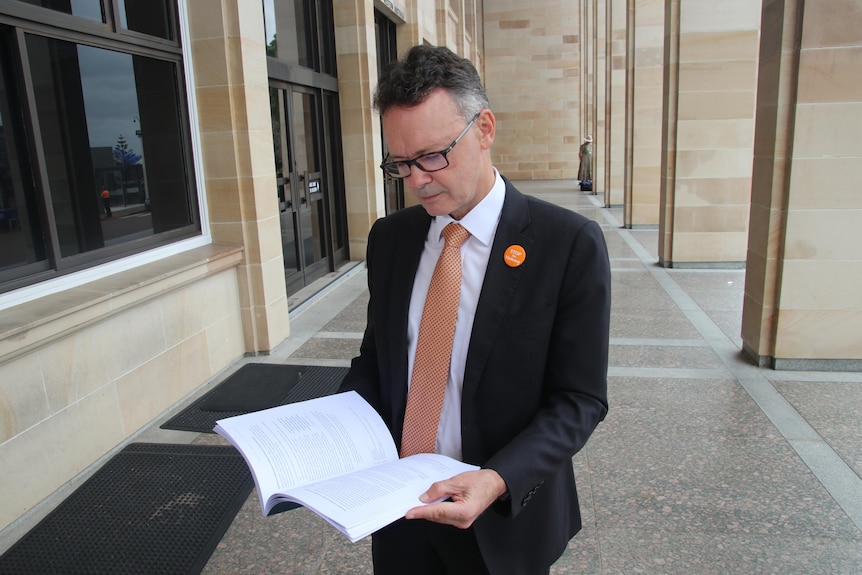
(94, 146)
(387, 51)
(21, 245)
(300, 32)
(89, 9)
(151, 17)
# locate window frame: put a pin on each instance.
(55, 25)
(30, 15)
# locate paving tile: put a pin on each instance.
(678, 481)
(664, 356)
(679, 409)
(650, 323)
(834, 410)
(328, 348)
(659, 552)
(295, 541)
(352, 318)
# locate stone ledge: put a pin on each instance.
(36, 323)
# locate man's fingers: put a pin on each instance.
(438, 490)
(447, 512)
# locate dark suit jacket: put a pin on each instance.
(535, 382)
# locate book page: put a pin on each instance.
(362, 502)
(299, 443)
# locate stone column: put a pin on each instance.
(356, 52)
(599, 96)
(232, 89)
(588, 76)
(710, 64)
(803, 305)
(615, 132)
(645, 49)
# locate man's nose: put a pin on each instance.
(417, 178)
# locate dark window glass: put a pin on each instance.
(21, 245)
(290, 31)
(89, 9)
(384, 28)
(301, 32)
(147, 17)
(337, 213)
(112, 141)
(305, 137)
(285, 195)
(305, 132)
(327, 44)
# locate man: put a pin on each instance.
(106, 202)
(526, 382)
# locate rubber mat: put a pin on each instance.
(152, 509)
(252, 388)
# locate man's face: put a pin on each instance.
(431, 127)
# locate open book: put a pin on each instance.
(335, 456)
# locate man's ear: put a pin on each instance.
(487, 124)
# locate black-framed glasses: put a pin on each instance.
(433, 162)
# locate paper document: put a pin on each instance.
(335, 456)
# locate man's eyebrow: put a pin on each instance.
(421, 153)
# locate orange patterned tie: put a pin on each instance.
(434, 347)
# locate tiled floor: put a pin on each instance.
(705, 464)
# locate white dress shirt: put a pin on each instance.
(481, 222)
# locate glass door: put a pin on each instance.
(387, 50)
(301, 186)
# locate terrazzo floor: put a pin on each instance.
(704, 465)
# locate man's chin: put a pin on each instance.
(434, 206)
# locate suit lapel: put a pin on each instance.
(409, 241)
(499, 285)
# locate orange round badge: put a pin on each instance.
(514, 256)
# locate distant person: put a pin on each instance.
(516, 380)
(585, 167)
(106, 202)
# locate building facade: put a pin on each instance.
(173, 171)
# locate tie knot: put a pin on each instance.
(455, 234)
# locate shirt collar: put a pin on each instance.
(482, 220)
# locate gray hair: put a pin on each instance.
(409, 81)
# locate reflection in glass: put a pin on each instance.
(278, 146)
(326, 28)
(146, 16)
(305, 138)
(285, 199)
(333, 159)
(109, 122)
(89, 9)
(289, 31)
(20, 234)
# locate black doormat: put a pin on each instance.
(152, 509)
(257, 386)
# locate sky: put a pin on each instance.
(110, 96)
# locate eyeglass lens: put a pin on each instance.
(433, 162)
(429, 163)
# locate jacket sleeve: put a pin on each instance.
(364, 374)
(562, 381)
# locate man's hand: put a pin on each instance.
(470, 493)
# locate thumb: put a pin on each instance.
(437, 491)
